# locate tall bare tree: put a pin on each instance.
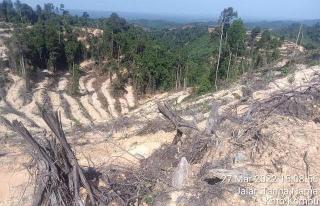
(227, 15)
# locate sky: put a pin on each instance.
(247, 9)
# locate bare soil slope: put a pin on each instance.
(274, 143)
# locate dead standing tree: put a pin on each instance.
(58, 174)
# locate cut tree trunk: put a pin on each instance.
(213, 121)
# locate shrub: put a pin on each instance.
(205, 86)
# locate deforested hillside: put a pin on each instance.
(95, 102)
(93, 71)
(254, 136)
(104, 112)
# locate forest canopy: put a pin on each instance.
(47, 37)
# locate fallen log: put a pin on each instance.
(181, 125)
(189, 128)
(196, 143)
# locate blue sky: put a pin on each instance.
(250, 9)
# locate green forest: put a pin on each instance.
(310, 35)
(153, 59)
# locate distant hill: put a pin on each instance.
(145, 16)
(279, 24)
(157, 21)
(93, 14)
(274, 25)
(152, 21)
(163, 24)
(155, 24)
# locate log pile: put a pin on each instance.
(58, 174)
